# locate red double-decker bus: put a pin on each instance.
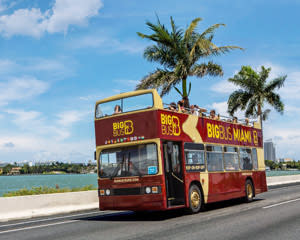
(151, 158)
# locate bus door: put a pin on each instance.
(173, 173)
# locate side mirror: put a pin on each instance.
(95, 156)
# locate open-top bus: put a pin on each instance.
(151, 158)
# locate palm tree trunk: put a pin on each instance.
(259, 111)
(184, 90)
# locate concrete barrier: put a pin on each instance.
(281, 180)
(12, 208)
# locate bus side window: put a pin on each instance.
(214, 157)
(246, 160)
(195, 158)
(231, 158)
(254, 158)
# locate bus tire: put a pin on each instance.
(195, 199)
(249, 191)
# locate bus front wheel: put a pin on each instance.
(195, 199)
(249, 190)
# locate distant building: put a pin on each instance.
(288, 160)
(284, 160)
(269, 150)
(15, 170)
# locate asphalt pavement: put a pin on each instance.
(273, 215)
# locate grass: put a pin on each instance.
(46, 190)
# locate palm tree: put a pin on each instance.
(254, 92)
(178, 52)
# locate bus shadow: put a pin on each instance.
(140, 216)
(162, 215)
(228, 203)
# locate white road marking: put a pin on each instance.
(39, 226)
(278, 204)
(47, 219)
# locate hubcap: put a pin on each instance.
(249, 191)
(195, 199)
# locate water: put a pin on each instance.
(14, 183)
(281, 173)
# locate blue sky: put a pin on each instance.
(59, 56)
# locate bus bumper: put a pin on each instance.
(133, 202)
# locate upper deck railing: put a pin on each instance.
(128, 102)
(142, 100)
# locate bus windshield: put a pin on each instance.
(122, 105)
(129, 161)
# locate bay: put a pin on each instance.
(14, 183)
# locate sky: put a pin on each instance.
(58, 57)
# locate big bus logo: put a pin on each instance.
(218, 131)
(122, 128)
(170, 125)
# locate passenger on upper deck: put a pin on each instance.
(181, 108)
(235, 120)
(186, 102)
(246, 121)
(213, 115)
(194, 110)
(172, 106)
(117, 109)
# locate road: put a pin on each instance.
(273, 215)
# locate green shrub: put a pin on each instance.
(46, 190)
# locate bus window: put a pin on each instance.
(136, 160)
(194, 157)
(176, 167)
(214, 157)
(254, 157)
(128, 104)
(231, 158)
(245, 159)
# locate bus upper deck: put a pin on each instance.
(144, 117)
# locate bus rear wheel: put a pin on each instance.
(195, 199)
(249, 190)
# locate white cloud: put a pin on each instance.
(6, 4)
(28, 22)
(71, 12)
(6, 65)
(70, 117)
(59, 68)
(23, 116)
(108, 44)
(221, 108)
(64, 13)
(286, 139)
(224, 87)
(22, 88)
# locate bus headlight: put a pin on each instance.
(107, 192)
(148, 190)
